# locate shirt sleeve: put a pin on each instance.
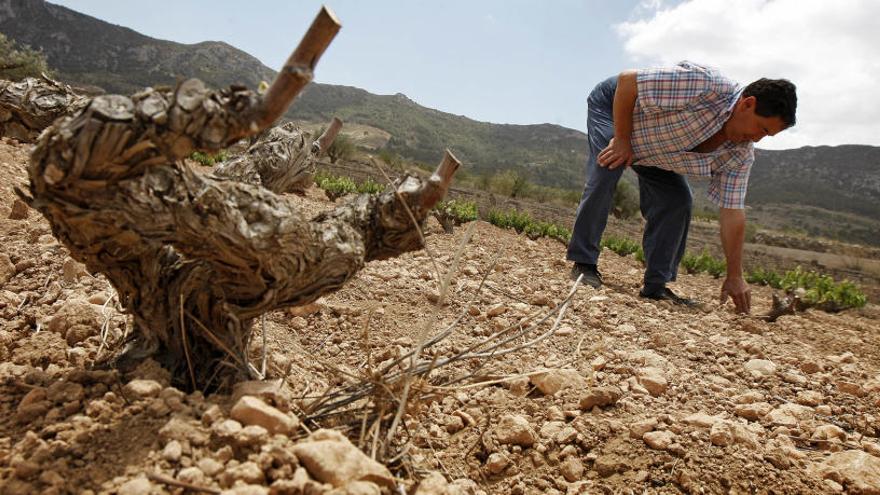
(728, 185)
(673, 88)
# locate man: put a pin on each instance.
(668, 123)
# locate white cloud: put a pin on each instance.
(827, 48)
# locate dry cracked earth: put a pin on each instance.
(625, 396)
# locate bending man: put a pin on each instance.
(669, 123)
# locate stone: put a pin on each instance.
(515, 430)
(251, 410)
(638, 429)
(497, 463)
(609, 464)
(565, 330)
(331, 458)
(209, 466)
(788, 414)
(226, 429)
(825, 434)
(809, 367)
(7, 269)
(76, 320)
(539, 300)
(64, 391)
(599, 397)
(653, 380)
(851, 388)
(183, 429)
(172, 451)
(252, 435)
(137, 486)
(497, 310)
(19, 210)
(658, 440)
(572, 469)
(72, 270)
(246, 490)
(809, 398)
(749, 398)
(760, 367)
(701, 420)
(248, 472)
(553, 380)
(362, 488)
(754, 411)
(432, 484)
(142, 389)
(721, 434)
(857, 471)
(192, 475)
(743, 436)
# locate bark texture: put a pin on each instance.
(280, 160)
(30, 105)
(194, 257)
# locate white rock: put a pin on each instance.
(553, 380)
(331, 458)
(653, 380)
(761, 367)
(515, 430)
(250, 410)
(701, 420)
(721, 434)
(658, 440)
(142, 389)
(137, 486)
(172, 451)
(497, 463)
(858, 471)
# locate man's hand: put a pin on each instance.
(618, 152)
(737, 289)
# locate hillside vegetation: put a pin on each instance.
(827, 191)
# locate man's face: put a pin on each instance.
(745, 125)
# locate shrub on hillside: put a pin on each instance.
(523, 223)
(18, 62)
(620, 245)
(704, 262)
(336, 187)
(342, 148)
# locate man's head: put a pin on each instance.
(766, 107)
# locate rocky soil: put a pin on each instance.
(626, 396)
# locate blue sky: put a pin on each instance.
(529, 62)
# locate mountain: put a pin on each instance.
(88, 51)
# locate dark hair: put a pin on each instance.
(776, 98)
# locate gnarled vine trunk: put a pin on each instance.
(196, 257)
(30, 105)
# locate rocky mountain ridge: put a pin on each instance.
(87, 51)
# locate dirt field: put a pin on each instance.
(623, 396)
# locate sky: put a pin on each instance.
(531, 62)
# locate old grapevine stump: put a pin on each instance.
(196, 258)
(30, 105)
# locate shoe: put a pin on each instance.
(666, 294)
(591, 275)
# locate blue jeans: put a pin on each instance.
(665, 200)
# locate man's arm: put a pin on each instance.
(733, 233)
(619, 151)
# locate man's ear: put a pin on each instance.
(748, 102)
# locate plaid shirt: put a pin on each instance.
(677, 109)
